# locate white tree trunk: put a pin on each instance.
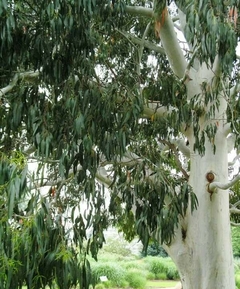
(202, 249)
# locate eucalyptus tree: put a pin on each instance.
(130, 109)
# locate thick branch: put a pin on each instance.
(172, 48)
(236, 204)
(234, 211)
(156, 110)
(183, 148)
(29, 150)
(129, 159)
(18, 76)
(233, 162)
(145, 43)
(168, 38)
(218, 185)
(235, 224)
(140, 11)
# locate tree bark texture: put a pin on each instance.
(202, 249)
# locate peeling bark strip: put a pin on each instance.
(160, 22)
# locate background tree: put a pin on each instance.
(108, 95)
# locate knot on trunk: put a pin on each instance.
(210, 177)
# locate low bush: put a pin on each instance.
(237, 264)
(99, 286)
(156, 265)
(150, 275)
(136, 264)
(161, 276)
(237, 280)
(155, 249)
(172, 272)
(136, 280)
(114, 273)
(107, 284)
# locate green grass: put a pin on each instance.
(161, 283)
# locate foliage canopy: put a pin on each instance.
(81, 85)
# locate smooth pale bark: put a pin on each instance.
(204, 257)
(202, 249)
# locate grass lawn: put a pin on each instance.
(161, 283)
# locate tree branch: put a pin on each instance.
(169, 40)
(101, 176)
(236, 204)
(29, 75)
(218, 185)
(29, 150)
(172, 48)
(234, 211)
(145, 43)
(129, 159)
(140, 11)
(235, 224)
(233, 162)
(156, 110)
(176, 157)
(183, 148)
(141, 47)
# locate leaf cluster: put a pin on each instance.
(211, 32)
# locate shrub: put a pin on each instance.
(161, 276)
(114, 272)
(155, 249)
(156, 266)
(172, 272)
(136, 280)
(107, 284)
(236, 241)
(99, 286)
(125, 284)
(237, 280)
(150, 275)
(139, 265)
(237, 264)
